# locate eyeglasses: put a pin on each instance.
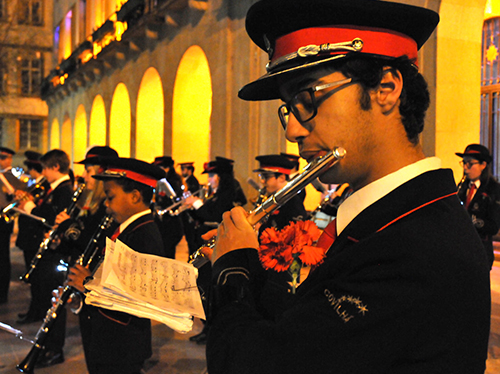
(469, 164)
(303, 105)
(266, 176)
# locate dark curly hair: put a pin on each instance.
(368, 72)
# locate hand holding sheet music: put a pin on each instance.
(147, 286)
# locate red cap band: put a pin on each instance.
(141, 178)
(276, 169)
(376, 41)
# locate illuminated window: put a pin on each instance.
(29, 133)
(490, 90)
(30, 12)
(31, 73)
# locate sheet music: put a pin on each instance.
(155, 287)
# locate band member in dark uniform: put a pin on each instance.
(274, 172)
(188, 223)
(9, 183)
(187, 170)
(46, 278)
(26, 225)
(226, 193)
(479, 192)
(76, 231)
(405, 285)
(116, 342)
(170, 226)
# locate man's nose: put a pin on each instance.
(295, 131)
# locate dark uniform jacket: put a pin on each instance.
(53, 203)
(193, 184)
(27, 226)
(111, 336)
(404, 289)
(484, 210)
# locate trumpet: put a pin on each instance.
(85, 259)
(44, 245)
(179, 207)
(310, 172)
(10, 212)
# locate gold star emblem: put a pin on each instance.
(492, 53)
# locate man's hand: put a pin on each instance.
(76, 276)
(73, 301)
(234, 233)
(61, 217)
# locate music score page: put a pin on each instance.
(147, 286)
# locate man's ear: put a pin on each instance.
(136, 196)
(389, 90)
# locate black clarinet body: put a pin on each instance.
(85, 259)
(44, 245)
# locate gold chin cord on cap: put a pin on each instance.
(310, 172)
(355, 45)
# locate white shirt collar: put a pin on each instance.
(131, 219)
(374, 191)
(56, 183)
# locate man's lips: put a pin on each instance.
(311, 155)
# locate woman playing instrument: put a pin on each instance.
(171, 227)
(479, 192)
(225, 194)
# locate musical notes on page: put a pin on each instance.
(147, 286)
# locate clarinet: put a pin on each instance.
(44, 245)
(85, 259)
(310, 172)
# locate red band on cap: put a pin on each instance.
(375, 41)
(141, 178)
(276, 169)
(471, 151)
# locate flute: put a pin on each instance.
(310, 172)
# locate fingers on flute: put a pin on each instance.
(209, 235)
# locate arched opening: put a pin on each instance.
(150, 117)
(79, 138)
(192, 108)
(120, 121)
(67, 137)
(97, 128)
(55, 139)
